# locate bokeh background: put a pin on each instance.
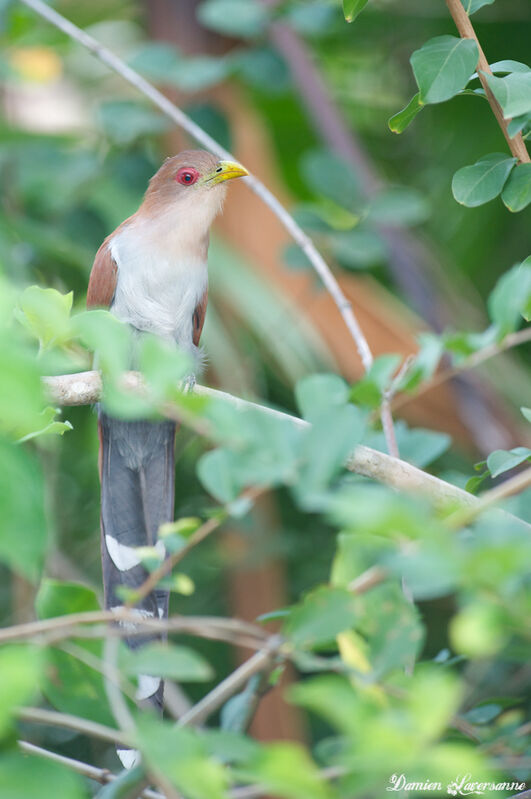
(302, 99)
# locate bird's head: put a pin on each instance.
(192, 182)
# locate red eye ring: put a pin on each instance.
(187, 176)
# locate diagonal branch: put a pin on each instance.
(466, 31)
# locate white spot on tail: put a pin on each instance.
(129, 757)
(124, 557)
(147, 686)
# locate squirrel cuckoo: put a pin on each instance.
(152, 274)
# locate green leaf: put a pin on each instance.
(483, 181)
(331, 176)
(516, 193)
(23, 777)
(471, 6)
(56, 598)
(369, 390)
(22, 519)
(286, 771)
(512, 92)
(425, 362)
(181, 755)
(501, 460)
(71, 685)
(318, 393)
(21, 669)
(124, 121)
(511, 297)
(483, 714)
(325, 448)
(351, 8)
(526, 413)
(324, 613)
(443, 66)
(50, 425)
(400, 121)
(478, 630)
(245, 18)
(46, 314)
(518, 124)
(169, 661)
(215, 470)
(399, 205)
(358, 248)
(506, 66)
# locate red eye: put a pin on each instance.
(187, 176)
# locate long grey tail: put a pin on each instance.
(137, 496)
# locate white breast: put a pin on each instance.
(161, 279)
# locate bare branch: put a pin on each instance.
(69, 722)
(229, 686)
(466, 31)
(368, 462)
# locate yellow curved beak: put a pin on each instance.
(224, 170)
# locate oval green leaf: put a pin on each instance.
(484, 180)
(516, 194)
(512, 92)
(443, 66)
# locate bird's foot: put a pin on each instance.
(187, 384)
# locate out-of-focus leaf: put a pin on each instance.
(286, 771)
(400, 121)
(213, 120)
(46, 314)
(234, 17)
(399, 205)
(215, 472)
(264, 69)
(478, 630)
(172, 662)
(22, 520)
(369, 390)
(516, 193)
(510, 299)
(483, 181)
(325, 447)
(50, 425)
(424, 363)
(443, 66)
(21, 669)
(181, 755)
(313, 18)
(351, 8)
(24, 778)
(512, 92)
(319, 393)
(123, 121)
(527, 413)
(331, 176)
(71, 685)
(322, 614)
(483, 714)
(358, 249)
(501, 460)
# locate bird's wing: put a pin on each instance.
(199, 318)
(103, 277)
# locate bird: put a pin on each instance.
(151, 273)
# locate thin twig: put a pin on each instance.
(476, 359)
(183, 121)
(515, 485)
(369, 579)
(229, 686)
(231, 630)
(466, 31)
(92, 728)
